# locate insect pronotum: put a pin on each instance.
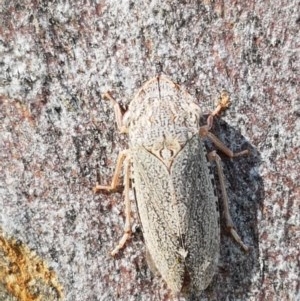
(176, 199)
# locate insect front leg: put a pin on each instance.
(213, 156)
(118, 112)
(124, 157)
(224, 103)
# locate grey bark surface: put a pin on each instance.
(57, 136)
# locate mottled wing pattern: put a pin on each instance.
(176, 208)
(197, 211)
(160, 229)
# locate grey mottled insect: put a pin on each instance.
(175, 196)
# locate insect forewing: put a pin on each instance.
(177, 207)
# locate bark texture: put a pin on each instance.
(57, 137)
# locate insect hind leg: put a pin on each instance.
(127, 227)
(123, 158)
(213, 156)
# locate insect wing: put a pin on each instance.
(198, 215)
(160, 228)
(179, 215)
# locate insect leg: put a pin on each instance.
(124, 157)
(229, 224)
(118, 112)
(115, 180)
(127, 228)
(219, 144)
(224, 103)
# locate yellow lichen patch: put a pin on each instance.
(23, 275)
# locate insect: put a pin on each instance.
(169, 167)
